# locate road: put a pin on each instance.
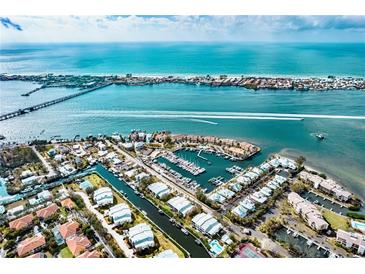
(117, 237)
(51, 171)
(235, 229)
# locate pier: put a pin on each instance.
(33, 91)
(48, 103)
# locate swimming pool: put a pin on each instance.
(358, 225)
(216, 248)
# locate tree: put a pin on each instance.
(300, 160)
(298, 187)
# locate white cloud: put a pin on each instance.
(184, 28)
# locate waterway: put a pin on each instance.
(216, 168)
(162, 220)
(152, 108)
(299, 244)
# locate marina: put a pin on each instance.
(303, 247)
(215, 167)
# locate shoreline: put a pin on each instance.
(84, 81)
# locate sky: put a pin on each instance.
(115, 28)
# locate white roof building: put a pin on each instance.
(141, 236)
(215, 197)
(258, 197)
(226, 193)
(159, 189)
(181, 205)
(308, 211)
(351, 240)
(240, 211)
(45, 195)
(103, 196)
(120, 213)
(167, 254)
(29, 180)
(141, 175)
(243, 180)
(248, 204)
(207, 224)
(266, 191)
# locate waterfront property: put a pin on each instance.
(103, 196)
(22, 222)
(141, 236)
(248, 251)
(181, 205)
(308, 211)
(207, 224)
(78, 244)
(328, 186)
(120, 214)
(167, 254)
(355, 241)
(159, 189)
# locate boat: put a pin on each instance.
(2, 137)
(160, 211)
(198, 242)
(309, 242)
(144, 212)
(320, 136)
(137, 192)
(184, 231)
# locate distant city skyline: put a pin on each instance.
(58, 29)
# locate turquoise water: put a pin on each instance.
(217, 167)
(186, 58)
(119, 108)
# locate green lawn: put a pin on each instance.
(66, 253)
(335, 220)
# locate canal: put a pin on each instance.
(162, 220)
(300, 245)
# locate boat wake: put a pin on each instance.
(204, 121)
(200, 115)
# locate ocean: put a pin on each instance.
(199, 109)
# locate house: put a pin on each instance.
(90, 254)
(37, 255)
(167, 254)
(68, 203)
(308, 212)
(328, 186)
(159, 189)
(103, 196)
(120, 214)
(69, 229)
(141, 176)
(181, 205)
(85, 185)
(78, 244)
(21, 222)
(240, 211)
(45, 195)
(29, 181)
(48, 211)
(228, 194)
(248, 204)
(266, 191)
(351, 240)
(30, 244)
(141, 236)
(258, 197)
(16, 210)
(207, 224)
(26, 173)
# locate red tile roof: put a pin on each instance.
(69, 229)
(68, 203)
(48, 211)
(21, 222)
(90, 254)
(36, 255)
(29, 244)
(78, 244)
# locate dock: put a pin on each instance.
(48, 103)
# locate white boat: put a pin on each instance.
(185, 231)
